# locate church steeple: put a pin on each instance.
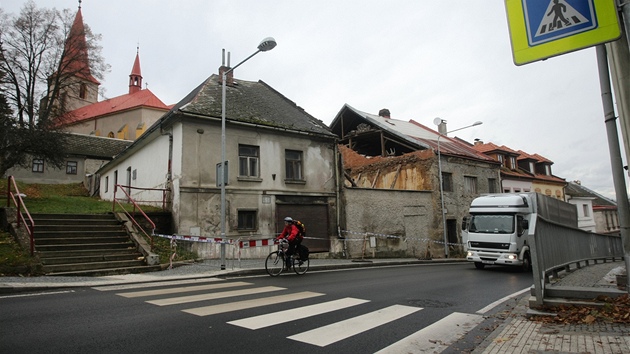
(76, 61)
(135, 78)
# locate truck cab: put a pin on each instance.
(495, 231)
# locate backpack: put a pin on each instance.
(303, 250)
(301, 228)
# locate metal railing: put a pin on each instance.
(555, 247)
(129, 200)
(16, 197)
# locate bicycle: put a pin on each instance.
(276, 261)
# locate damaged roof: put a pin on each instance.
(411, 132)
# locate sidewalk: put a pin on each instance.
(517, 334)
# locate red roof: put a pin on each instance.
(141, 99)
(75, 60)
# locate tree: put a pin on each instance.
(43, 57)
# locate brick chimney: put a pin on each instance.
(478, 142)
(384, 113)
(230, 75)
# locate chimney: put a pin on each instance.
(230, 75)
(442, 127)
(478, 142)
(223, 68)
(384, 113)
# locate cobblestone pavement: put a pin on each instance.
(518, 334)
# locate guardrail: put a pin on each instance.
(555, 247)
(16, 197)
(130, 200)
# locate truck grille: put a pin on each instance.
(492, 245)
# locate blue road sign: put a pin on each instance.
(549, 20)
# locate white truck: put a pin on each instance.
(497, 229)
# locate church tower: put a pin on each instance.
(135, 78)
(82, 88)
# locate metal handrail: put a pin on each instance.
(555, 246)
(135, 205)
(19, 204)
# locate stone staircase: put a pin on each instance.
(86, 245)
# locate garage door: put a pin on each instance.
(314, 217)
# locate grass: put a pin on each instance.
(62, 199)
(15, 261)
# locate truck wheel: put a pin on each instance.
(479, 265)
(527, 263)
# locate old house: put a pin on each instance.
(596, 213)
(523, 172)
(280, 162)
(392, 195)
(84, 156)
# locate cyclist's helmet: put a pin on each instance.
(289, 219)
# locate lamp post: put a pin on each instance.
(438, 121)
(265, 45)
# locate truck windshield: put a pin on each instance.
(498, 224)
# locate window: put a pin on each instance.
(38, 165)
(293, 162)
(447, 182)
(71, 167)
(532, 168)
(248, 161)
(500, 159)
(83, 91)
(513, 162)
(492, 185)
(470, 185)
(247, 219)
(585, 210)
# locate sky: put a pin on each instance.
(419, 59)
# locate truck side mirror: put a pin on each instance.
(525, 224)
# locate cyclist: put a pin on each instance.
(293, 235)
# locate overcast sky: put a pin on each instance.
(419, 59)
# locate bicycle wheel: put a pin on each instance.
(274, 263)
(300, 268)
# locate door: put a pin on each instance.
(315, 219)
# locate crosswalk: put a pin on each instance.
(200, 293)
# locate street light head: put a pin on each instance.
(267, 44)
(477, 123)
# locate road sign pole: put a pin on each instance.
(615, 155)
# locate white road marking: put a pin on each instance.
(275, 318)
(335, 332)
(247, 304)
(154, 284)
(182, 289)
(212, 296)
(37, 294)
(436, 337)
(494, 304)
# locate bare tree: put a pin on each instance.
(42, 58)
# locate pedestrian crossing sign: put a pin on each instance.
(540, 29)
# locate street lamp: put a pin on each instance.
(438, 121)
(265, 45)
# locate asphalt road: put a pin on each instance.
(352, 311)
